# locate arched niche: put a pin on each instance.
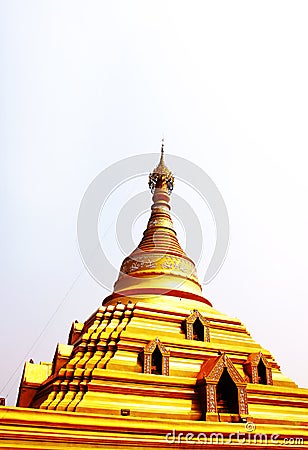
(258, 369)
(197, 327)
(156, 358)
(222, 390)
(227, 394)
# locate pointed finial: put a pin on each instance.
(162, 151)
(161, 175)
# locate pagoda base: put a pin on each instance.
(33, 429)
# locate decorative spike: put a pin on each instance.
(161, 177)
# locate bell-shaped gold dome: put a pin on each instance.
(159, 264)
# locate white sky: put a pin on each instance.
(84, 84)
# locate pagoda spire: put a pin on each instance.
(162, 152)
(161, 177)
(159, 261)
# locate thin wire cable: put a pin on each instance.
(49, 321)
(42, 332)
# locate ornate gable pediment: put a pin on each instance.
(151, 346)
(254, 359)
(194, 316)
(251, 368)
(216, 371)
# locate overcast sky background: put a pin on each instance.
(84, 84)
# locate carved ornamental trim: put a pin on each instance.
(211, 398)
(149, 350)
(242, 397)
(160, 263)
(216, 372)
(190, 320)
(251, 368)
(212, 378)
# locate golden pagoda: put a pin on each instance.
(156, 366)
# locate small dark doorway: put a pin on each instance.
(262, 373)
(226, 395)
(157, 362)
(198, 330)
